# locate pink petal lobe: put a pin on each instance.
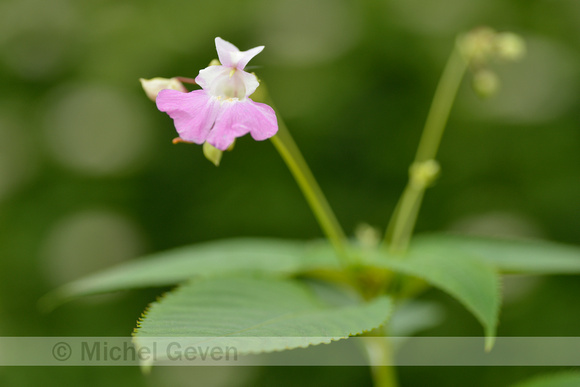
(262, 120)
(193, 113)
(238, 118)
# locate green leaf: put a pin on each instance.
(276, 314)
(225, 257)
(414, 316)
(562, 379)
(473, 283)
(511, 256)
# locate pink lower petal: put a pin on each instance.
(237, 118)
(225, 130)
(264, 123)
(193, 113)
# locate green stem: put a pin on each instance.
(441, 106)
(404, 218)
(290, 153)
(404, 223)
(380, 352)
(285, 145)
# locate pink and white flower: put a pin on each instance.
(221, 111)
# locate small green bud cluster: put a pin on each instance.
(481, 46)
(423, 174)
(367, 236)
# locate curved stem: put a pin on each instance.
(441, 106)
(403, 220)
(285, 145)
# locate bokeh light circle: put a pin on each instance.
(96, 130)
(88, 241)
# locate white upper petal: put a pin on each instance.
(231, 56)
(208, 76)
(250, 82)
(227, 82)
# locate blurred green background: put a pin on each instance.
(89, 176)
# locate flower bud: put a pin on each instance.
(153, 86)
(477, 45)
(367, 236)
(212, 153)
(423, 174)
(485, 83)
(510, 46)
